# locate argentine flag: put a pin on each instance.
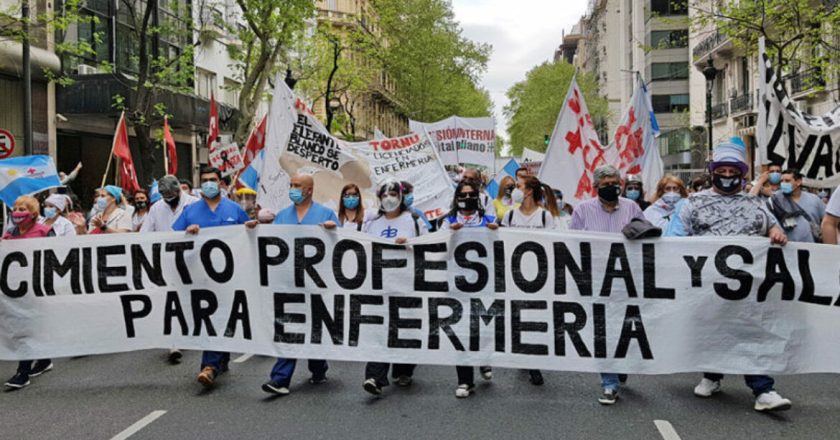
(508, 170)
(250, 176)
(21, 176)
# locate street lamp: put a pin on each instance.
(289, 80)
(710, 73)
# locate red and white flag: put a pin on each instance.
(574, 150)
(122, 151)
(634, 142)
(171, 153)
(214, 123)
(256, 142)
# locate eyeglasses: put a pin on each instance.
(470, 195)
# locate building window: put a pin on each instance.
(669, 71)
(669, 7)
(205, 83)
(670, 103)
(231, 92)
(669, 39)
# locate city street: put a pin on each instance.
(112, 396)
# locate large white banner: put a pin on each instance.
(519, 299)
(796, 139)
(462, 141)
(413, 159)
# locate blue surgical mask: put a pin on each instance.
(787, 187)
(775, 178)
(633, 194)
(210, 189)
(408, 199)
(296, 194)
(101, 204)
(50, 212)
(351, 202)
(671, 198)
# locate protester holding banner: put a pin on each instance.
(726, 210)
(408, 199)
(634, 190)
(351, 210)
(467, 212)
(393, 222)
(831, 221)
(212, 210)
(799, 212)
(484, 198)
(530, 215)
(669, 192)
(55, 208)
(303, 211)
(553, 203)
(608, 213)
(109, 218)
(141, 209)
(503, 202)
(25, 219)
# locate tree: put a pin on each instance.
(536, 102)
(799, 34)
(272, 28)
(435, 67)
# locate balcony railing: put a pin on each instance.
(741, 103)
(708, 44)
(806, 80)
(720, 110)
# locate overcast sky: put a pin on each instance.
(523, 33)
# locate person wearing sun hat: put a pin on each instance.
(726, 210)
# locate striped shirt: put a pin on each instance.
(592, 216)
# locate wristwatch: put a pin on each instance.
(104, 226)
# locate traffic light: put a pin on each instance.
(546, 140)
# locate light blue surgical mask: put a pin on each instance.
(351, 202)
(50, 212)
(775, 178)
(210, 189)
(408, 199)
(633, 194)
(296, 194)
(101, 204)
(787, 187)
(671, 198)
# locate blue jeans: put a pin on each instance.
(759, 384)
(216, 359)
(610, 381)
(284, 369)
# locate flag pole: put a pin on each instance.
(165, 149)
(111, 156)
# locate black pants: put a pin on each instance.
(466, 374)
(379, 371)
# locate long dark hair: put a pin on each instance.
(535, 186)
(476, 186)
(360, 211)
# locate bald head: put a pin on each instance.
(304, 183)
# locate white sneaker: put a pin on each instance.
(486, 373)
(706, 388)
(463, 391)
(771, 401)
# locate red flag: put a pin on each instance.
(121, 150)
(171, 153)
(255, 143)
(214, 123)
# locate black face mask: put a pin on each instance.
(609, 193)
(509, 190)
(173, 202)
(467, 203)
(141, 205)
(727, 185)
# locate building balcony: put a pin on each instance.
(741, 104)
(719, 111)
(714, 43)
(806, 80)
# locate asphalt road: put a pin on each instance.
(102, 397)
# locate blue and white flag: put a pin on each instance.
(250, 176)
(154, 192)
(508, 170)
(20, 176)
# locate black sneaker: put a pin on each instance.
(622, 378)
(175, 356)
(318, 379)
(273, 387)
(372, 387)
(608, 397)
(404, 381)
(40, 367)
(18, 381)
(536, 377)
(486, 373)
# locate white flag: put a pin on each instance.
(634, 149)
(574, 151)
(273, 189)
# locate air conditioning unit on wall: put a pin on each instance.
(85, 69)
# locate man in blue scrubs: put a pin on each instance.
(303, 211)
(211, 211)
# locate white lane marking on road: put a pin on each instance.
(666, 430)
(243, 358)
(142, 423)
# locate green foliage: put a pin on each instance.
(536, 102)
(435, 67)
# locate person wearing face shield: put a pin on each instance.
(467, 212)
(163, 214)
(634, 191)
(394, 222)
(670, 191)
(725, 210)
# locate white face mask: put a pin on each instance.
(517, 196)
(390, 203)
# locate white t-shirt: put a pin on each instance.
(137, 220)
(487, 202)
(534, 221)
(390, 229)
(833, 206)
(369, 215)
(161, 216)
(562, 223)
(471, 221)
(61, 226)
(119, 220)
